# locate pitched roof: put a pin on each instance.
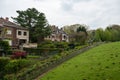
(5, 22)
(56, 30)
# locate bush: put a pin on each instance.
(80, 47)
(63, 45)
(46, 44)
(43, 51)
(50, 44)
(3, 63)
(19, 54)
(10, 77)
(71, 46)
(4, 45)
(15, 65)
(56, 57)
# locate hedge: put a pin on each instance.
(43, 51)
(3, 63)
(15, 65)
(4, 46)
(9, 67)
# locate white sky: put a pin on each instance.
(94, 13)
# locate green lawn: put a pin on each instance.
(99, 63)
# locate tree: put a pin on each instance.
(99, 35)
(82, 33)
(35, 21)
(108, 35)
(77, 33)
(115, 32)
(70, 29)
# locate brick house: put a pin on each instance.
(57, 35)
(13, 33)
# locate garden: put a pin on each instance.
(21, 65)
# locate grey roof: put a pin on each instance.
(56, 30)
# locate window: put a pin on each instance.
(53, 36)
(19, 33)
(25, 33)
(0, 32)
(9, 32)
(64, 37)
(49, 36)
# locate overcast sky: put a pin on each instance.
(95, 13)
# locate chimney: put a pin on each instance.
(7, 19)
(1, 17)
(53, 27)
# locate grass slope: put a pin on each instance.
(99, 63)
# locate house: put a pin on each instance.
(13, 33)
(57, 35)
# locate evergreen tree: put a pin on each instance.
(35, 21)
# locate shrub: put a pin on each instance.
(15, 65)
(10, 77)
(43, 51)
(56, 57)
(4, 45)
(50, 44)
(3, 63)
(33, 51)
(71, 46)
(19, 54)
(9, 52)
(47, 46)
(63, 45)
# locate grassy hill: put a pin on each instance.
(99, 63)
